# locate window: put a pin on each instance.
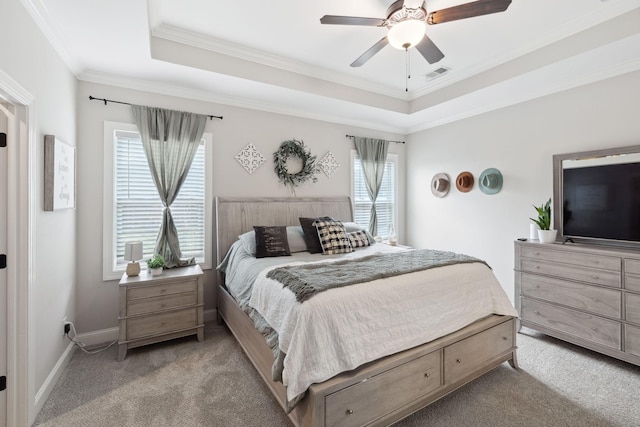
(386, 202)
(133, 210)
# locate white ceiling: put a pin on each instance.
(276, 56)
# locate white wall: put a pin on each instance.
(28, 58)
(520, 141)
(97, 301)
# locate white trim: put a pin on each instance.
(21, 190)
(99, 337)
(210, 315)
(49, 383)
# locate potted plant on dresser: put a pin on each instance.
(545, 234)
(155, 265)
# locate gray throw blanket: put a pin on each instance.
(307, 280)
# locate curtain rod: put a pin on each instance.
(92, 98)
(397, 142)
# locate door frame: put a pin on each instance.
(21, 185)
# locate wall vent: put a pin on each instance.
(437, 73)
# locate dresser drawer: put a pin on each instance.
(138, 327)
(590, 327)
(465, 356)
(157, 290)
(632, 308)
(583, 274)
(606, 302)
(574, 258)
(152, 305)
(632, 282)
(632, 340)
(632, 266)
(385, 392)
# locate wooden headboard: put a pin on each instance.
(237, 215)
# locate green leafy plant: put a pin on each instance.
(155, 262)
(544, 215)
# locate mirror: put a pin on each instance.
(596, 196)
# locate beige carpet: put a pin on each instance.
(187, 383)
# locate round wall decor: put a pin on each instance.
(289, 149)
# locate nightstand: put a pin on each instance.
(160, 308)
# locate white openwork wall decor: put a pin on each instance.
(329, 164)
(250, 158)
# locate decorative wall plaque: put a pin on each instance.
(329, 164)
(250, 158)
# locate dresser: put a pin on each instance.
(159, 308)
(584, 294)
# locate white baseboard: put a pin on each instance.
(103, 336)
(210, 315)
(43, 393)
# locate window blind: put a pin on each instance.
(138, 209)
(385, 204)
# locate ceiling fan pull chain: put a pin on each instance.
(407, 70)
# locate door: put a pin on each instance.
(4, 120)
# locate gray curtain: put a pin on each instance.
(170, 140)
(373, 156)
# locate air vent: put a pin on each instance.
(437, 73)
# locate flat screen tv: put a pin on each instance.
(597, 197)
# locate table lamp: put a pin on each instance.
(133, 253)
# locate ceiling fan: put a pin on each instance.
(407, 21)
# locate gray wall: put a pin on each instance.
(97, 301)
(28, 58)
(520, 141)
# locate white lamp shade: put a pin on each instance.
(133, 251)
(406, 34)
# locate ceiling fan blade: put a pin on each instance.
(369, 53)
(467, 10)
(351, 20)
(429, 50)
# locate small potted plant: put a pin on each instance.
(155, 264)
(545, 235)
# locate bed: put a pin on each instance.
(379, 392)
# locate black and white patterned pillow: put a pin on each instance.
(358, 239)
(333, 237)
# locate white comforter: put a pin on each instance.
(343, 328)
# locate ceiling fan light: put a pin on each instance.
(406, 34)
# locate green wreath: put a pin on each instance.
(294, 148)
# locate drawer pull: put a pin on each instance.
(594, 276)
(505, 338)
(349, 412)
(164, 323)
(594, 329)
(427, 375)
(536, 253)
(537, 267)
(163, 305)
(163, 290)
(594, 261)
(458, 361)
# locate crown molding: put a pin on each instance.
(199, 95)
(247, 53)
(39, 13)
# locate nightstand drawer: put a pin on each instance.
(161, 289)
(152, 305)
(138, 327)
(462, 358)
(574, 258)
(595, 299)
(590, 327)
(600, 277)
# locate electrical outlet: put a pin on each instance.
(67, 326)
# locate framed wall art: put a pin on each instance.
(59, 174)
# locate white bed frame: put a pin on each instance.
(378, 393)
